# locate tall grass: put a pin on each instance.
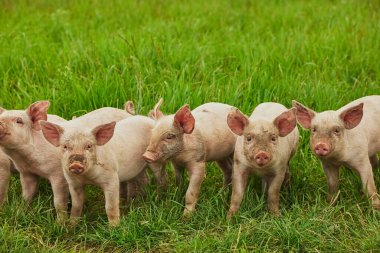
(83, 55)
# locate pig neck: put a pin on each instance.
(104, 168)
(193, 148)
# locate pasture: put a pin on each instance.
(83, 55)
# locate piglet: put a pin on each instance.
(103, 156)
(267, 141)
(22, 140)
(190, 139)
(347, 137)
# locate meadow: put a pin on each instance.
(82, 55)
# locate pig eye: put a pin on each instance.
(19, 121)
(65, 147)
(314, 129)
(249, 138)
(274, 138)
(88, 146)
(170, 136)
(337, 130)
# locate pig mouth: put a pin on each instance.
(3, 134)
(151, 156)
(76, 167)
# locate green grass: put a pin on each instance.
(83, 55)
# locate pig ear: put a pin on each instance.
(51, 132)
(237, 121)
(104, 133)
(184, 119)
(156, 113)
(38, 111)
(286, 122)
(304, 115)
(129, 107)
(352, 116)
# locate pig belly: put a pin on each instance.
(130, 170)
(219, 144)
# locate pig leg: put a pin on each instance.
(178, 171)
(274, 187)
(60, 194)
(5, 175)
(239, 183)
(77, 198)
(159, 173)
(111, 192)
(29, 183)
(226, 166)
(332, 176)
(196, 177)
(366, 176)
(374, 161)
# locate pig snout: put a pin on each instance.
(76, 162)
(321, 149)
(150, 156)
(76, 158)
(262, 158)
(76, 168)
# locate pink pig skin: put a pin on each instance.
(104, 156)
(347, 137)
(189, 139)
(33, 156)
(22, 140)
(267, 141)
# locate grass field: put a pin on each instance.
(83, 55)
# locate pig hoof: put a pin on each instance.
(275, 213)
(114, 223)
(376, 206)
(61, 220)
(230, 214)
(187, 213)
(73, 222)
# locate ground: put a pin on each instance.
(83, 55)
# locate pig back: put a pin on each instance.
(100, 116)
(369, 125)
(211, 123)
(130, 140)
(54, 118)
(268, 111)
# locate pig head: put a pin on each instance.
(168, 134)
(328, 129)
(78, 146)
(261, 137)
